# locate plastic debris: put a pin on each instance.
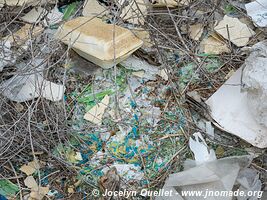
(206, 174)
(136, 64)
(35, 15)
(129, 172)
(21, 37)
(95, 115)
(93, 40)
(249, 181)
(229, 108)
(5, 55)
(200, 150)
(214, 45)
(257, 10)
(24, 34)
(54, 16)
(254, 82)
(25, 87)
(196, 31)
(8, 189)
(234, 30)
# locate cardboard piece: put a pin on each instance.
(101, 43)
(230, 110)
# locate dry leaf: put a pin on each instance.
(92, 8)
(96, 113)
(196, 31)
(212, 45)
(234, 30)
(30, 168)
(35, 15)
(31, 183)
(39, 193)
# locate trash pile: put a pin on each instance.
(117, 95)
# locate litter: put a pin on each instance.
(96, 113)
(213, 45)
(25, 87)
(206, 173)
(169, 3)
(163, 74)
(135, 11)
(144, 36)
(249, 181)
(136, 64)
(8, 189)
(37, 192)
(257, 10)
(234, 30)
(20, 38)
(54, 16)
(129, 172)
(23, 35)
(254, 82)
(30, 168)
(5, 55)
(196, 31)
(93, 40)
(229, 108)
(93, 8)
(199, 148)
(35, 15)
(16, 2)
